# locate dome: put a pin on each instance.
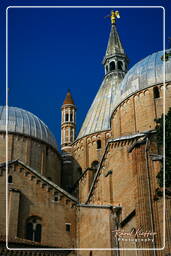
(145, 73)
(23, 122)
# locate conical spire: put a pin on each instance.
(68, 98)
(114, 46)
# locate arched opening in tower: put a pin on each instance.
(112, 65)
(120, 65)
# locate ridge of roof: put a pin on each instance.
(43, 178)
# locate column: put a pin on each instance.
(63, 116)
(64, 137)
(73, 116)
(69, 134)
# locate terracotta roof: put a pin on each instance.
(17, 240)
(68, 99)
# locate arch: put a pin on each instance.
(112, 65)
(10, 179)
(120, 65)
(99, 144)
(33, 229)
(156, 92)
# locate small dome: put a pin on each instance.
(23, 122)
(145, 73)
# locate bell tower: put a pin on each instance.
(68, 122)
(115, 60)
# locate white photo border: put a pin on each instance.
(164, 94)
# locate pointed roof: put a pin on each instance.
(68, 99)
(114, 44)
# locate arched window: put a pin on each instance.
(156, 92)
(9, 179)
(120, 65)
(29, 231)
(95, 164)
(38, 231)
(66, 117)
(112, 65)
(99, 144)
(68, 227)
(34, 229)
(71, 117)
(91, 253)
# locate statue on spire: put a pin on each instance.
(113, 16)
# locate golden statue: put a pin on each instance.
(113, 16)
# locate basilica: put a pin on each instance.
(98, 195)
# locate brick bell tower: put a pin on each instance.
(68, 123)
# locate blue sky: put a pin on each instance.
(53, 49)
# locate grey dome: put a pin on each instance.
(145, 73)
(23, 122)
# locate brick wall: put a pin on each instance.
(33, 153)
